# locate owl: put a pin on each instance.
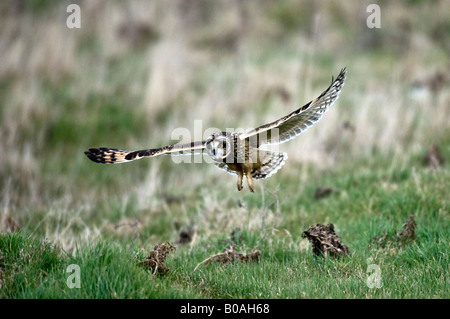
(240, 153)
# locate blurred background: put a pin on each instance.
(136, 70)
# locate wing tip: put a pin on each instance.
(343, 73)
(92, 154)
(96, 154)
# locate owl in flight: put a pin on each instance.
(239, 153)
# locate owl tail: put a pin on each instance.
(271, 163)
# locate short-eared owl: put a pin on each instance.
(239, 153)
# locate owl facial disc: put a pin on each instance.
(218, 146)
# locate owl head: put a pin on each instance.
(218, 146)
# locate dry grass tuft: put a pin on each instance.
(230, 255)
(8, 224)
(408, 232)
(400, 239)
(125, 227)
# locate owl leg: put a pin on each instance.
(248, 174)
(239, 182)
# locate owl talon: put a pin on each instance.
(239, 181)
(248, 174)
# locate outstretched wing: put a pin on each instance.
(107, 155)
(298, 121)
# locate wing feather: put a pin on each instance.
(108, 155)
(298, 121)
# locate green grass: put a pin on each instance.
(371, 200)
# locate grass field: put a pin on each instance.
(135, 72)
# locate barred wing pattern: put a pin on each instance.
(298, 121)
(108, 155)
(271, 163)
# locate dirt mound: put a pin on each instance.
(155, 261)
(324, 191)
(325, 242)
